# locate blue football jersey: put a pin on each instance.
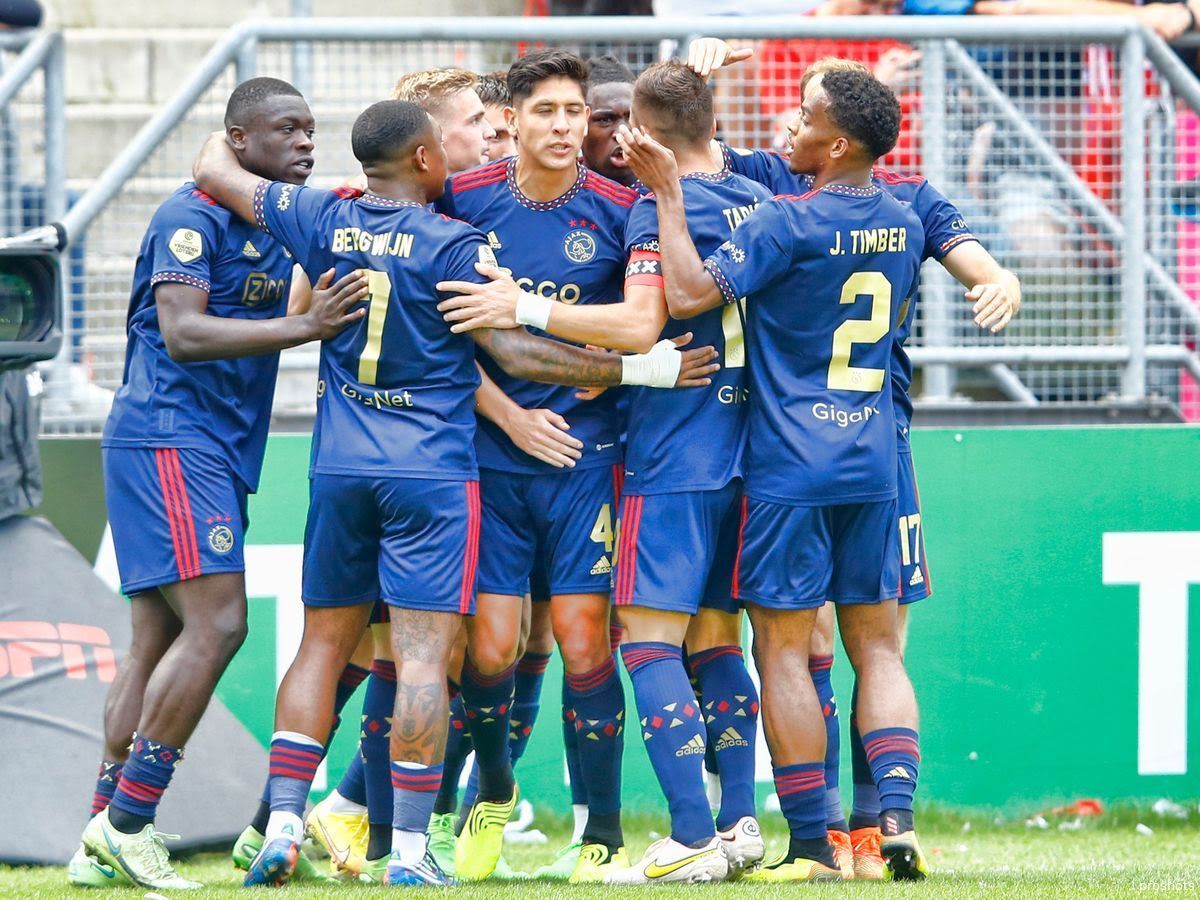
(223, 405)
(571, 249)
(825, 276)
(396, 395)
(691, 439)
(944, 226)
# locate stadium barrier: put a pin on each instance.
(1054, 661)
(1071, 144)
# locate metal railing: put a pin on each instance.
(1070, 144)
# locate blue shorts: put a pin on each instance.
(676, 551)
(914, 567)
(797, 557)
(411, 542)
(564, 520)
(176, 514)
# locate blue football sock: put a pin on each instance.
(598, 705)
(894, 756)
(801, 792)
(144, 777)
(487, 700)
(353, 786)
(571, 751)
(527, 696)
(730, 704)
(673, 731)
(458, 748)
(865, 811)
(821, 669)
(106, 784)
(415, 786)
(374, 739)
(294, 762)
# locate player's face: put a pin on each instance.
(551, 124)
(465, 130)
(277, 143)
(502, 142)
(609, 105)
(811, 135)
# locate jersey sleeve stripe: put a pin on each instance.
(949, 245)
(180, 278)
(260, 202)
(723, 284)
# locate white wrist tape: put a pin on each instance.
(658, 369)
(533, 310)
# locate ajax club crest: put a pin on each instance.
(579, 246)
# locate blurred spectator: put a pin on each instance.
(601, 8)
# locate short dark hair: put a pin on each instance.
(249, 95)
(606, 69)
(493, 89)
(384, 129)
(864, 108)
(678, 100)
(538, 65)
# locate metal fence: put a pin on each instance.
(1071, 145)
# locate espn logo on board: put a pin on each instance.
(26, 649)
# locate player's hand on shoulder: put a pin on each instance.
(330, 310)
(697, 365)
(994, 307)
(652, 163)
(706, 55)
(492, 304)
(544, 435)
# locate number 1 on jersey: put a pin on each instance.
(379, 294)
(732, 317)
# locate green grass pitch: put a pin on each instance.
(1104, 858)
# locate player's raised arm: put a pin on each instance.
(633, 324)
(994, 291)
(690, 289)
(523, 355)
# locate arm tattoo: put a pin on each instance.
(523, 355)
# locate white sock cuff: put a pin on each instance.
(297, 738)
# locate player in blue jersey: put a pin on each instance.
(995, 295)
(394, 510)
(183, 447)
(682, 496)
(819, 519)
(560, 229)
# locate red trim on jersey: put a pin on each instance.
(471, 557)
(618, 471)
(736, 589)
(346, 192)
(887, 175)
(473, 178)
(609, 189)
(627, 552)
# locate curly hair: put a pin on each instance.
(827, 64)
(492, 89)
(864, 108)
(430, 88)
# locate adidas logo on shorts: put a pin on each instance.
(602, 567)
(917, 577)
(692, 747)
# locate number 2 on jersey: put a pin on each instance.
(379, 294)
(842, 375)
